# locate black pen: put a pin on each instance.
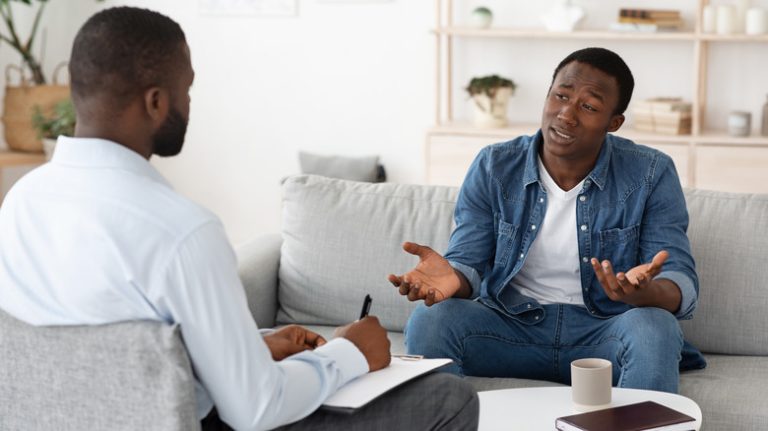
(366, 306)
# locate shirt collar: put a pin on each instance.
(531, 174)
(597, 175)
(101, 153)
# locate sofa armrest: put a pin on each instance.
(258, 263)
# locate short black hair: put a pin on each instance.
(121, 51)
(610, 63)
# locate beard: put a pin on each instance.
(169, 138)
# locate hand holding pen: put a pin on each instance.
(369, 337)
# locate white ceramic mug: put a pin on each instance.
(591, 384)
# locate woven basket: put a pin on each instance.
(19, 105)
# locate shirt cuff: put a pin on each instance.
(687, 291)
(348, 358)
(471, 275)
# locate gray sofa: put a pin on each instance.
(340, 239)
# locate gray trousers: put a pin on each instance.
(436, 401)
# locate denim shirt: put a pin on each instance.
(631, 206)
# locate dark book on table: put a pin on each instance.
(643, 416)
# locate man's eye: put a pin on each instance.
(561, 96)
(589, 108)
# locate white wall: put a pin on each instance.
(356, 78)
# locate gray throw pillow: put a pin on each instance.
(363, 169)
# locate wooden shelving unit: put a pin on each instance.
(452, 144)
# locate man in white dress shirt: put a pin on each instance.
(99, 236)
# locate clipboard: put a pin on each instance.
(366, 388)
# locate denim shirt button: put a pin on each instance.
(528, 305)
(583, 227)
(522, 255)
(585, 259)
(536, 317)
(541, 200)
(533, 227)
(582, 198)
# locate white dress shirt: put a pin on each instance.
(551, 272)
(98, 236)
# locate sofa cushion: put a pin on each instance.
(125, 376)
(731, 392)
(729, 240)
(341, 239)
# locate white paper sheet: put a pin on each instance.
(366, 388)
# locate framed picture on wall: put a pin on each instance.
(248, 7)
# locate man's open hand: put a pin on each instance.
(631, 287)
(432, 280)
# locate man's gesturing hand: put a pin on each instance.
(634, 286)
(290, 340)
(432, 280)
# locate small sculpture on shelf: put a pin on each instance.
(481, 17)
(490, 97)
(563, 17)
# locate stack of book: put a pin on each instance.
(669, 116)
(661, 19)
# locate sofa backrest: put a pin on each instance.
(341, 239)
(126, 376)
(729, 240)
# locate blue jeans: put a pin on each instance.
(644, 344)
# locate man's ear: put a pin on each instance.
(157, 102)
(616, 122)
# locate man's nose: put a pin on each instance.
(567, 114)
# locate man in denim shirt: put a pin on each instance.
(570, 243)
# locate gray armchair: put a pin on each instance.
(125, 376)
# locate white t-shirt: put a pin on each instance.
(98, 236)
(551, 273)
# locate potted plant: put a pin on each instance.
(490, 96)
(50, 127)
(33, 89)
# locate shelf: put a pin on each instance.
(13, 158)
(534, 33)
(721, 138)
(733, 37)
(710, 158)
(465, 129)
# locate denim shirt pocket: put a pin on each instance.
(621, 246)
(505, 239)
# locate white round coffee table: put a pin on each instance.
(532, 409)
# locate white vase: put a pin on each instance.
(563, 17)
(48, 146)
(491, 112)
